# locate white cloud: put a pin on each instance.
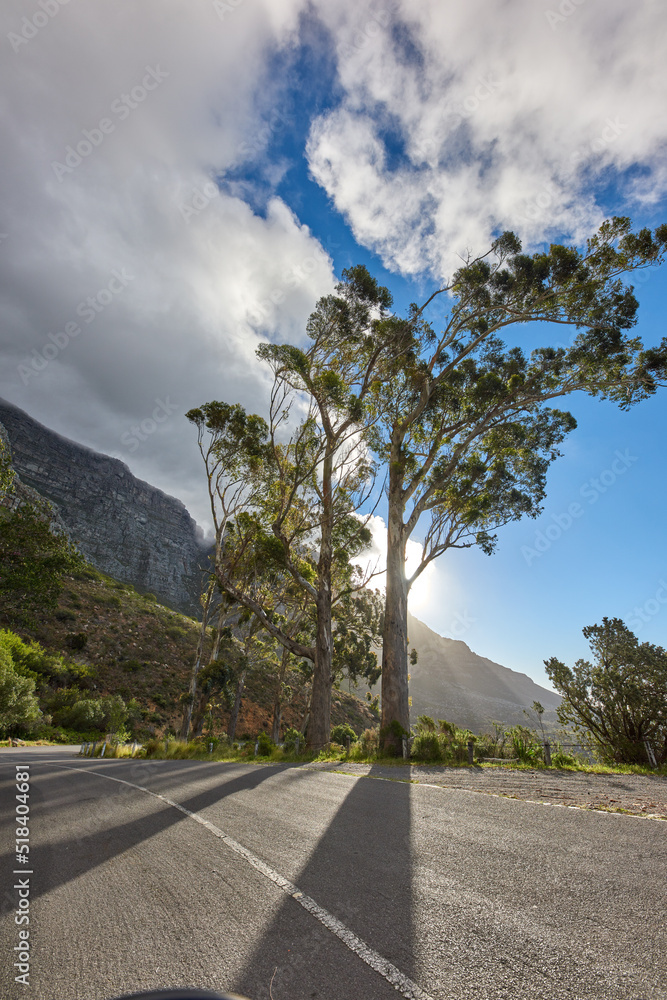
(506, 117)
(104, 175)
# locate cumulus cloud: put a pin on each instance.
(134, 278)
(139, 273)
(460, 120)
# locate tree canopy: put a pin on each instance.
(619, 699)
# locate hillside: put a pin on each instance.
(450, 681)
(140, 650)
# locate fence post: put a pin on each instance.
(210, 748)
(649, 753)
(134, 748)
(404, 741)
(297, 746)
(256, 748)
(104, 746)
(547, 753)
(92, 752)
(347, 740)
(166, 746)
(471, 752)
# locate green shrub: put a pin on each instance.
(30, 659)
(340, 733)
(175, 632)
(76, 640)
(369, 742)
(18, 704)
(149, 597)
(65, 616)
(291, 739)
(266, 745)
(426, 746)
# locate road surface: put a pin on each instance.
(285, 883)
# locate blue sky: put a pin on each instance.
(202, 172)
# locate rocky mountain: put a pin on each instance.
(450, 681)
(123, 526)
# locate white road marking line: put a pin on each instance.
(372, 958)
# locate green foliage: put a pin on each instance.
(33, 561)
(76, 641)
(443, 742)
(30, 660)
(266, 745)
(105, 715)
(340, 734)
(369, 742)
(18, 704)
(619, 700)
(292, 739)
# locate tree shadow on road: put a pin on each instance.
(361, 872)
(99, 836)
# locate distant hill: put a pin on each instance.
(451, 682)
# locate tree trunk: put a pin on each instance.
(234, 717)
(320, 701)
(278, 696)
(395, 704)
(187, 715)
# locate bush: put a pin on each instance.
(76, 640)
(369, 742)
(426, 746)
(266, 745)
(18, 704)
(292, 739)
(340, 733)
(65, 616)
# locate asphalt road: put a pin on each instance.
(289, 884)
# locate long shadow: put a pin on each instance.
(61, 861)
(361, 872)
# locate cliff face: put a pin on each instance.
(123, 526)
